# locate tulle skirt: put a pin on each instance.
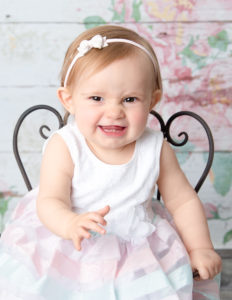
(38, 265)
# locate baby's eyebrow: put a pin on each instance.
(135, 93)
(132, 93)
(92, 93)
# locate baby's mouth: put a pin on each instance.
(113, 130)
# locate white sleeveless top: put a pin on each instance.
(126, 188)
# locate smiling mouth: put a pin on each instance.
(113, 130)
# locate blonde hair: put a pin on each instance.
(98, 59)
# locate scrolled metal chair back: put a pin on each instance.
(166, 129)
(27, 112)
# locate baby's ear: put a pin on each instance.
(156, 96)
(65, 98)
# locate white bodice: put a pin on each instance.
(126, 188)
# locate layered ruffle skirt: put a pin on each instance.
(38, 265)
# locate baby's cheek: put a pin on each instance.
(140, 119)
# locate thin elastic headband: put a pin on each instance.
(100, 42)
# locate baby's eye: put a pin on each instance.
(96, 98)
(130, 99)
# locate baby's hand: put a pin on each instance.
(206, 261)
(79, 226)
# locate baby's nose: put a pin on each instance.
(115, 111)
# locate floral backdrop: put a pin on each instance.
(193, 42)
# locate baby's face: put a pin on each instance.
(111, 106)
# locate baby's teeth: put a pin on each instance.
(110, 130)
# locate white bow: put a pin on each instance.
(97, 41)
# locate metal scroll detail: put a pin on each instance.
(165, 128)
(41, 130)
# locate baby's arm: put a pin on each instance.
(53, 202)
(184, 205)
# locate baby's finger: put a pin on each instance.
(217, 270)
(77, 243)
(98, 219)
(204, 273)
(83, 233)
(104, 211)
(213, 272)
(95, 227)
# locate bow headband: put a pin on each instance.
(100, 42)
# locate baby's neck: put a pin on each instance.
(116, 156)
